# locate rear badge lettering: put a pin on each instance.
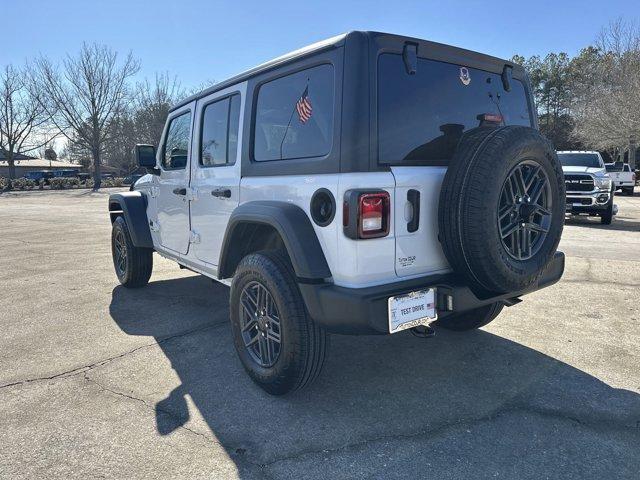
(407, 261)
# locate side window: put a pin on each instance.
(176, 145)
(294, 116)
(219, 133)
(234, 125)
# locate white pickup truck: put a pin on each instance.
(588, 187)
(622, 176)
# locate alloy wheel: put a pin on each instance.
(120, 245)
(260, 324)
(524, 210)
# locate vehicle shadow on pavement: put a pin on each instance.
(459, 405)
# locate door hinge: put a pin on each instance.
(194, 237)
(154, 226)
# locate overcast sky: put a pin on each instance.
(200, 40)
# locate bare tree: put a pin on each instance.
(607, 101)
(122, 139)
(142, 122)
(74, 153)
(23, 119)
(84, 94)
(153, 101)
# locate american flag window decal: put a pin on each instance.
(294, 115)
(304, 107)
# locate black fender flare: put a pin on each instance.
(133, 207)
(294, 227)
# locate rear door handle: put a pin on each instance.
(180, 191)
(221, 192)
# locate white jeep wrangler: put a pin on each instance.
(365, 184)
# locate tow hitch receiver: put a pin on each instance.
(423, 331)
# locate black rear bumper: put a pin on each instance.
(362, 311)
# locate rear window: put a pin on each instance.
(421, 117)
(294, 116)
(617, 167)
(589, 160)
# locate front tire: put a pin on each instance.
(476, 318)
(280, 347)
(607, 216)
(133, 264)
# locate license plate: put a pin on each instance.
(412, 310)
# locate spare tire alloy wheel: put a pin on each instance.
(501, 208)
(524, 211)
(260, 324)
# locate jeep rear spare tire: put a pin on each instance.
(501, 208)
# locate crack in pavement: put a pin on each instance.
(86, 368)
(510, 407)
(439, 430)
(180, 422)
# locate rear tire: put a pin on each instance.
(133, 264)
(476, 318)
(628, 190)
(297, 358)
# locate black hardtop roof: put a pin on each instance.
(335, 42)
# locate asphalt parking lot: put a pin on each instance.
(100, 381)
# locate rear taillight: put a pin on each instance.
(366, 214)
(373, 215)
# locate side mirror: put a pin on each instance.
(145, 155)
